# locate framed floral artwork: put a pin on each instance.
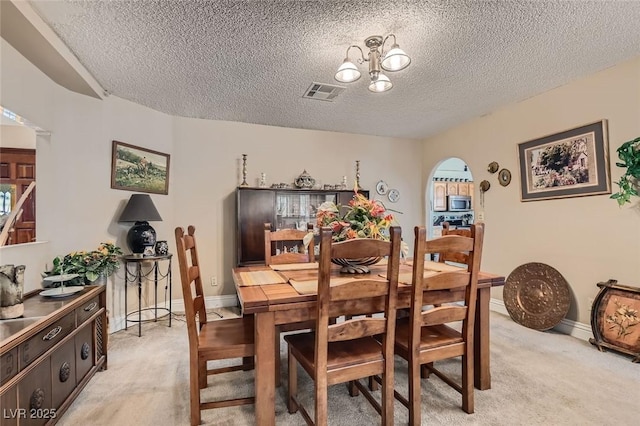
(615, 318)
(572, 163)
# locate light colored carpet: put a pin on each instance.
(538, 378)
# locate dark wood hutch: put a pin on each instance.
(283, 208)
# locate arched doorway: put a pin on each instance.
(450, 196)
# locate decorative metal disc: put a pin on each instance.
(493, 167)
(536, 296)
(504, 177)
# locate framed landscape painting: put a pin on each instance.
(139, 169)
(572, 163)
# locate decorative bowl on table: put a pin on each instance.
(356, 266)
(54, 281)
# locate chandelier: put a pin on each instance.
(393, 60)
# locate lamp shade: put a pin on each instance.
(141, 238)
(395, 59)
(140, 207)
(347, 72)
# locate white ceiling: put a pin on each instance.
(251, 61)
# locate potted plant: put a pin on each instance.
(89, 266)
(629, 154)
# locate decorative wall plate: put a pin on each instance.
(484, 186)
(493, 167)
(536, 296)
(504, 177)
(394, 195)
(381, 187)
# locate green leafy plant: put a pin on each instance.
(629, 154)
(88, 265)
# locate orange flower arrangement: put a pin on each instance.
(364, 218)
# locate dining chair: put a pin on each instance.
(209, 341)
(440, 323)
(294, 237)
(456, 257)
(348, 351)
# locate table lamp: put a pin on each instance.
(141, 238)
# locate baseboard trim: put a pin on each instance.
(572, 328)
(177, 307)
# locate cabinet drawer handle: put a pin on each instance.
(53, 333)
(91, 307)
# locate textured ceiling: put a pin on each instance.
(251, 61)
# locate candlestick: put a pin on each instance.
(244, 170)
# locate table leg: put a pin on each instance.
(265, 380)
(126, 283)
(139, 270)
(169, 273)
(155, 283)
(481, 346)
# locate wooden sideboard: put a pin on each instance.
(283, 208)
(48, 355)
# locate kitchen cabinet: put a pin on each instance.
(439, 196)
(50, 354)
(441, 189)
(283, 208)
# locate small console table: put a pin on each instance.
(134, 274)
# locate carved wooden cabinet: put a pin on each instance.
(283, 208)
(50, 354)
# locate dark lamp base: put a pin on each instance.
(141, 238)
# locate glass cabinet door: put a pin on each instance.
(295, 210)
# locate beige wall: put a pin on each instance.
(12, 136)
(77, 209)
(206, 169)
(587, 239)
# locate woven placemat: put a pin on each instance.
(311, 286)
(261, 278)
(294, 266)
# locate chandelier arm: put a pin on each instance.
(384, 41)
(359, 60)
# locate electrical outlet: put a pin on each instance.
(481, 216)
(214, 281)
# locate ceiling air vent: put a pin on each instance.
(322, 91)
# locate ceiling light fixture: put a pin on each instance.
(394, 60)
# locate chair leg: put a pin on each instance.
(414, 392)
(202, 373)
(194, 390)
(467, 384)
(321, 403)
(292, 391)
(353, 389)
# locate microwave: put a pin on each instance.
(459, 203)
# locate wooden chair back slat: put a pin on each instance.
(367, 247)
(191, 280)
(443, 315)
(360, 327)
(446, 281)
(366, 288)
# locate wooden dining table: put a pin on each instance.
(269, 295)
